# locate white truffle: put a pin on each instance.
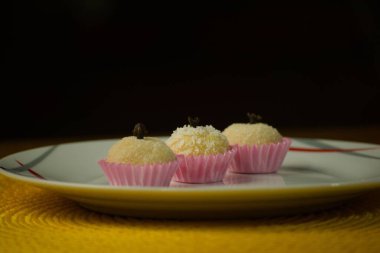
(140, 151)
(200, 140)
(251, 134)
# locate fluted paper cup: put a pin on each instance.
(139, 175)
(266, 158)
(203, 168)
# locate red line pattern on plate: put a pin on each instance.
(31, 171)
(327, 150)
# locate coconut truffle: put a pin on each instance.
(251, 134)
(136, 151)
(200, 140)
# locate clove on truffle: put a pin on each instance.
(139, 131)
(193, 121)
(254, 118)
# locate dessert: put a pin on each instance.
(203, 153)
(139, 161)
(260, 148)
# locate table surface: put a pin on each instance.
(36, 220)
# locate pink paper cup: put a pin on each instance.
(203, 168)
(266, 158)
(139, 175)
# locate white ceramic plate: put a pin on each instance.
(316, 174)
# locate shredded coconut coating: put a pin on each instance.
(251, 134)
(200, 140)
(140, 151)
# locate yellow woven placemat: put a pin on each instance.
(35, 220)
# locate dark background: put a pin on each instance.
(86, 68)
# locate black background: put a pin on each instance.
(84, 68)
